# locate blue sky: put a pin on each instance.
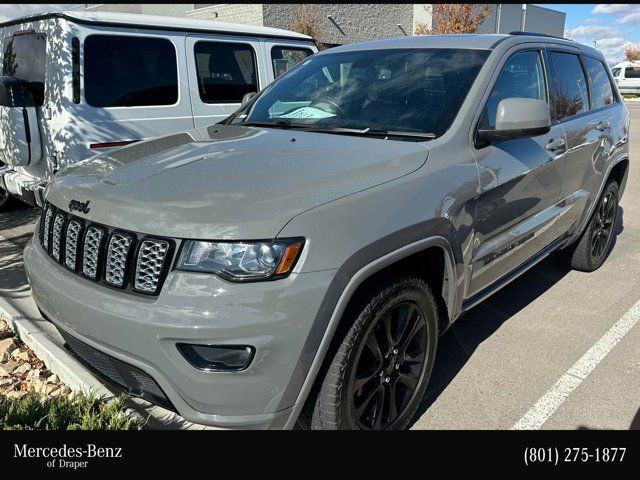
(614, 27)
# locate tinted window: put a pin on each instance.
(24, 58)
(417, 90)
(521, 77)
(122, 71)
(601, 91)
(226, 71)
(615, 72)
(569, 97)
(631, 72)
(283, 58)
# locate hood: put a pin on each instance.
(228, 182)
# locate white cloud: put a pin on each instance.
(9, 12)
(614, 8)
(630, 18)
(593, 32)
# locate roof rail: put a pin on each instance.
(536, 34)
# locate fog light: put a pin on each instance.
(222, 358)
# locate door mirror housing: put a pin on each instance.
(20, 144)
(247, 97)
(518, 118)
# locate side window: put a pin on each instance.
(226, 71)
(601, 91)
(521, 77)
(569, 97)
(615, 72)
(631, 72)
(284, 58)
(24, 58)
(123, 71)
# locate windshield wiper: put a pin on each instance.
(373, 131)
(281, 123)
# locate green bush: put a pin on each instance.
(78, 412)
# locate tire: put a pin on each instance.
(585, 255)
(406, 304)
(7, 201)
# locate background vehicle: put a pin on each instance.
(300, 259)
(95, 81)
(627, 76)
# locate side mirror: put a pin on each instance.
(518, 118)
(247, 97)
(19, 132)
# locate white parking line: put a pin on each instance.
(550, 401)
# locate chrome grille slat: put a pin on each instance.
(46, 229)
(56, 235)
(149, 265)
(117, 256)
(74, 230)
(91, 251)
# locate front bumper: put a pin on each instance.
(26, 188)
(274, 317)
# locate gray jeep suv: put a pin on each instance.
(298, 261)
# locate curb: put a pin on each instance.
(37, 335)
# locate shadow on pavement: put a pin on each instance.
(457, 345)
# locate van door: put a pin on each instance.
(134, 88)
(222, 70)
(520, 179)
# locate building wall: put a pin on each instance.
(538, 20)
(349, 22)
(247, 13)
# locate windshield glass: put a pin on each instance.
(402, 90)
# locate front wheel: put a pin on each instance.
(380, 371)
(6, 201)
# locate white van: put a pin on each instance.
(75, 84)
(627, 76)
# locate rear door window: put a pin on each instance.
(570, 96)
(123, 71)
(601, 90)
(284, 58)
(226, 71)
(24, 58)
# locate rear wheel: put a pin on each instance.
(380, 372)
(590, 252)
(6, 200)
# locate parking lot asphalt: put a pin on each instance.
(512, 360)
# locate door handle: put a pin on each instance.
(555, 144)
(602, 126)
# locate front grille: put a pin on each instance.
(132, 379)
(104, 254)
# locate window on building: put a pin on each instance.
(226, 71)
(521, 77)
(24, 58)
(284, 58)
(569, 96)
(123, 71)
(631, 72)
(601, 90)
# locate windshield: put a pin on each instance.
(401, 90)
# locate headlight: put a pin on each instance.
(241, 261)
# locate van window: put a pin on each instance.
(24, 58)
(631, 72)
(226, 71)
(570, 96)
(284, 58)
(601, 91)
(521, 77)
(616, 71)
(123, 71)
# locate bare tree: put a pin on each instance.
(305, 21)
(455, 18)
(633, 53)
